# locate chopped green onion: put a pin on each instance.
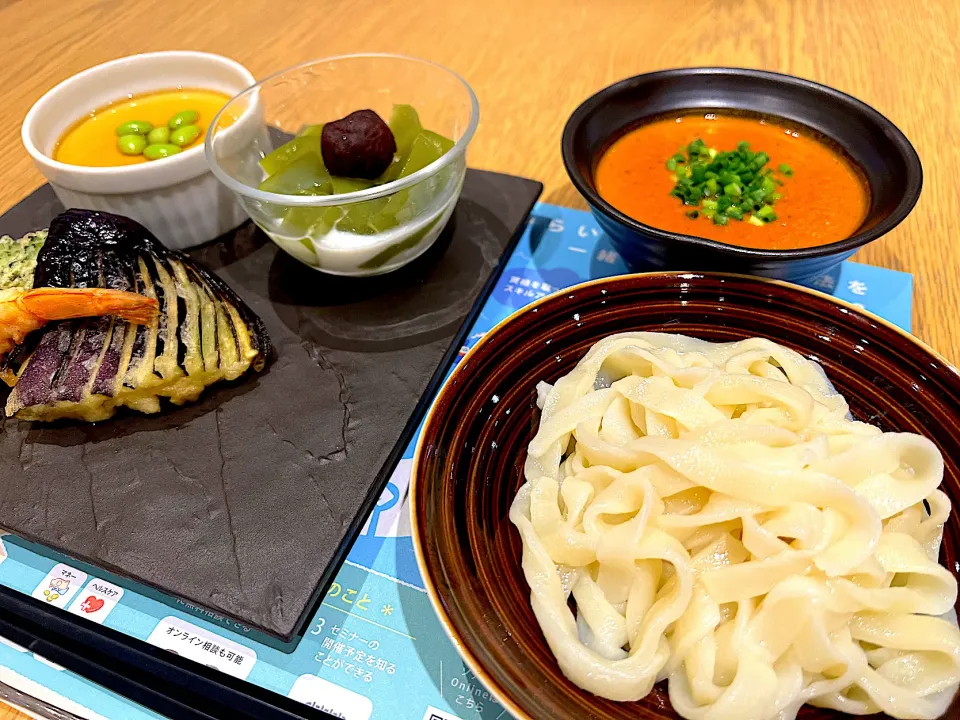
(734, 184)
(766, 213)
(727, 177)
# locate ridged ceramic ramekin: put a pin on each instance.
(177, 198)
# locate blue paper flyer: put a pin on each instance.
(375, 637)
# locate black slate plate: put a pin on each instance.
(246, 502)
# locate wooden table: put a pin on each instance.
(532, 61)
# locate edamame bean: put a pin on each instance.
(184, 135)
(134, 127)
(159, 136)
(186, 117)
(131, 144)
(156, 152)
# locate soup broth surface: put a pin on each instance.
(824, 200)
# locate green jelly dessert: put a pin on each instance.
(297, 168)
(305, 175)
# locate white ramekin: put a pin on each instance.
(177, 198)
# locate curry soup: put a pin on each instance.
(820, 196)
(92, 141)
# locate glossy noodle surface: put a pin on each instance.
(718, 520)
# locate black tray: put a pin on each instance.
(246, 502)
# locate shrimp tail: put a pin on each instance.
(50, 304)
(23, 312)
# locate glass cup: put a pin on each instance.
(363, 231)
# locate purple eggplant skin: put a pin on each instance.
(35, 386)
(86, 248)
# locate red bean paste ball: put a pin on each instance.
(360, 145)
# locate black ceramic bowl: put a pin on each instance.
(887, 159)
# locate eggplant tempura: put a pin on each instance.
(199, 333)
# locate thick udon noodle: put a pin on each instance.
(722, 523)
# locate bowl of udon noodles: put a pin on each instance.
(699, 496)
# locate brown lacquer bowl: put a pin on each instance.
(470, 458)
